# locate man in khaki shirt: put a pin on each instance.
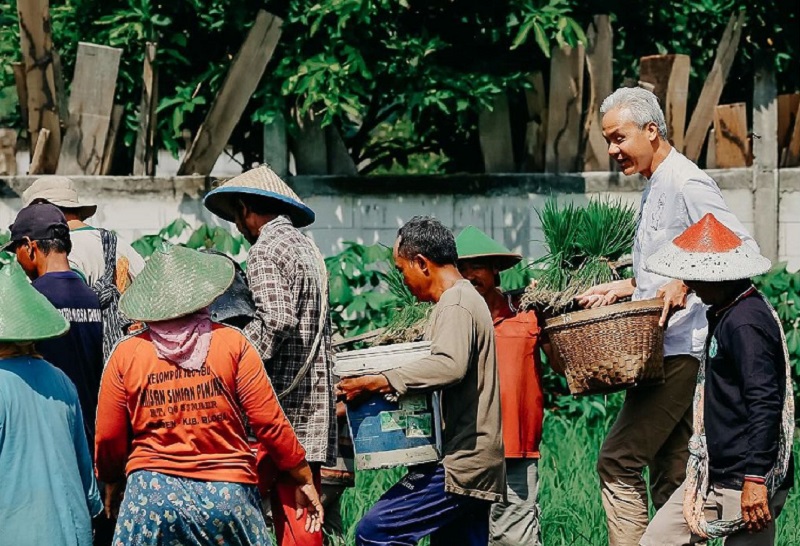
(450, 500)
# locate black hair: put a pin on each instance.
(60, 244)
(430, 238)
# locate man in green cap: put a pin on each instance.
(49, 493)
(291, 329)
(515, 520)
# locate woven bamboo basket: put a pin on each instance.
(610, 348)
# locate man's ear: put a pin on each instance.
(421, 262)
(652, 131)
(30, 246)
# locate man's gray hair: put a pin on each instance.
(641, 103)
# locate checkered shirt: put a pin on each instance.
(283, 270)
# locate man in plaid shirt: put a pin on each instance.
(291, 331)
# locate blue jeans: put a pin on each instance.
(418, 506)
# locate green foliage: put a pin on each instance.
(363, 66)
(368, 67)
(205, 236)
(694, 28)
(569, 491)
(782, 289)
(359, 301)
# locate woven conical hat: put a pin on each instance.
(708, 251)
(264, 183)
(25, 314)
(474, 244)
(176, 281)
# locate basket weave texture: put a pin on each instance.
(610, 348)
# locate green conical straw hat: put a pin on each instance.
(25, 314)
(473, 244)
(176, 282)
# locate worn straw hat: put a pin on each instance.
(59, 191)
(176, 282)
(474, 244)
(262, 182)
(708, 251)
(26, 315)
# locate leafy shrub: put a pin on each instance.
(782, 289)
(359, 299)
(205, 236)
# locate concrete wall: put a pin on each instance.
(369, 210)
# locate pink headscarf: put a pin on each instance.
(184, 340)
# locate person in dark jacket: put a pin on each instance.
(740, 467)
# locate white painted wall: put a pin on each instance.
(375, 218)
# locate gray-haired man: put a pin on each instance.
(654, 425)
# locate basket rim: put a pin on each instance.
(608, 312)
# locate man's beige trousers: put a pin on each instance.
(652, 430)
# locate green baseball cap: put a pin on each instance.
(474, 244)
(26, 315)
(177, 281)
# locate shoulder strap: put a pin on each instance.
(322, 277)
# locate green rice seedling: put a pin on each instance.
(581, 245)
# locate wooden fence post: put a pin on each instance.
(564, 111)
(599, 56)
(536, 127)
(791, 155)
(669, 76)
(36, 41)
(276, 146)
(765, 157)
(730, 135)
(494, 133)
(37, 158)
(22, 93)
(111, 139)
(8, 152)
(240, 83)
(703, 113)
(144, 157)
(91, 102)
(309, 147)
(339, 160)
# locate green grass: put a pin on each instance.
(572, 514)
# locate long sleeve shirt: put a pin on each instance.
(154, 415)
(744, 390)
(463, 365)
(677, 195)
(48, 493)
(285, 275)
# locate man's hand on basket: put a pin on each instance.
(755, 506)
(606, 294)
(674, 294)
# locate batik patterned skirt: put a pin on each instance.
(168, 510)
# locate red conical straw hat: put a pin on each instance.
(708, 251)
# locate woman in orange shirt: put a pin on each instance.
(171, 416)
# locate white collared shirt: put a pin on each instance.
(677, 195)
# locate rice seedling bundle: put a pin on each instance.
(583, 246)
